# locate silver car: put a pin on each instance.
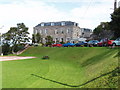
(93, 43)
(116, 42)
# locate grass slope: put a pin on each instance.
(66, 68)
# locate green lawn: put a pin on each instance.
(72, 67)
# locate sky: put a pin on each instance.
(87, 13)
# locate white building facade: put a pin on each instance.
(62, 31)
(86, 33)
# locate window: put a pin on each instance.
(56, 32)
(45, 31)
(62, 32)
(56, 39)
(68, 39)
(52, 24)
(68, 30)
(63, 23)
(42, 24)
(62, 39)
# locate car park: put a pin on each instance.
(36, 44)
(110, 42)
(68, 44)
(105, 42)
(81, 44)
(116, 42)
(57, 45)
(92, 43)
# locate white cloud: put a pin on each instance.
(32, 12)
(91, 16)
(29, 12)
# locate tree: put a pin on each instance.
(103, 31)
(115, 22)
(36, 38)
(49, 40)
(33, 38)
(16, 36)
(6, 49)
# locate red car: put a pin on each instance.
(105, 42)
(57, 45)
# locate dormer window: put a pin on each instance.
(52, 24)
(63, 23)
(42, 24)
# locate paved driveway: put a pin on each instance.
(8, 58)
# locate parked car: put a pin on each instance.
(81, 43)
(68, 45)
(93, 43)
(57, 45)
(116, 42)
(105, 42)
(36, 44)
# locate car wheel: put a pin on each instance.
(113, 44)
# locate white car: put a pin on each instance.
(116, 42)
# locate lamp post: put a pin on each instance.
(1, 42)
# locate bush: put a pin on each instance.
(18, 47)
(6, 49)
(48, 43)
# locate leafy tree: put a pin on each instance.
(6, 49)
(16, 36)
(33, 38)
(115, 22)
(103, 31)
(49, 40)
(38, 38)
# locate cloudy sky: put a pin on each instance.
(88, 13)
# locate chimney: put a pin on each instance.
(115, 4)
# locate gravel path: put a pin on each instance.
(9, 58)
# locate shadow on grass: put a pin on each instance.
(118, 54)
(115, 71)
(97, 58)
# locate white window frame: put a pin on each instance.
(68, 30)
(62, 31)
(63, 23)
(52, 24)
(56, 31)
(42, 24)
(61, 39)
(45, 31)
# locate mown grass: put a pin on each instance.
(66, 68)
